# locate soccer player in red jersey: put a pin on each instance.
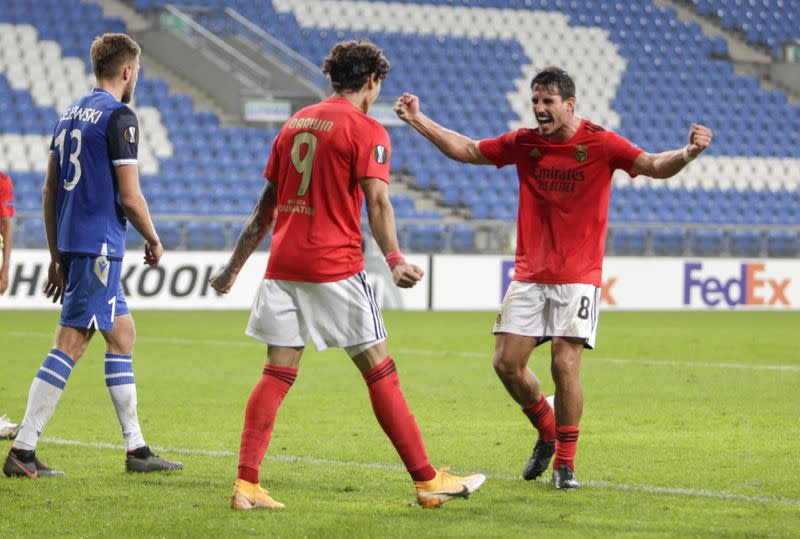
(325, 161)
(6, 227)
(8, 429)
(565, 168)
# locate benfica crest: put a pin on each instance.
(581, 153)
(536, 153)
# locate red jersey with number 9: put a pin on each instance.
(564, 190)
(316, 162)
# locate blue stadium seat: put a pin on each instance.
(783, 244)
(629, 241)
(668, 242)
(745, 243)
(205, 235)
(707, 242)
(462, 239)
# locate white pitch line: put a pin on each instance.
(623, 361)
(248, 343)
(648, 489)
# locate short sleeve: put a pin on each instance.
(6, 197)
(123, 137)
(621, 152)
(500, 151)
(373, 153)
(271, 171)
(53, 146)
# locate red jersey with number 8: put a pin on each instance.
(564, 190)
(316, 162)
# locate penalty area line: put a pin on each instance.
(647, 489)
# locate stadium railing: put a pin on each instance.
(487, 236)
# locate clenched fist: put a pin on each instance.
(407, 107)
(699, 138)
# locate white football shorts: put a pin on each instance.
(545, 311)
(340, 314)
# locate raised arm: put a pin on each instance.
(666, 164)
(384, 230)
(454, 145)
(135, 207)
(252, 234)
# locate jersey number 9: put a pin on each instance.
(304, 164)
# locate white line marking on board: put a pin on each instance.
(649, 489)
(248, 343)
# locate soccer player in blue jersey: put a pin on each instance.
(91, 191)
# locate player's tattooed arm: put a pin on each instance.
(252, 234)
(666, 164)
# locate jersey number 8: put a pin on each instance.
(73, 157)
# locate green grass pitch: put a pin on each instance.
(690, 429)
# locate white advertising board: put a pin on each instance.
(181, 282)
(452, 282)
(479, 282)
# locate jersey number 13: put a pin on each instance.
(69, 185)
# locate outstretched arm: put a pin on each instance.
(384, 230)
(454, 145)
(252, 234)
(666, 164)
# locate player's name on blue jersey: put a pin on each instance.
(83, 114)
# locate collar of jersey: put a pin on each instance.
(341, 100)
(101, 90)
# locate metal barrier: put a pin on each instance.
(173, 19)
(491, 237)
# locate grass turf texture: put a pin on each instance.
(676, 403)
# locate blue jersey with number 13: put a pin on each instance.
(95, 134)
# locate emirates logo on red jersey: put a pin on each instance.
(381, 154)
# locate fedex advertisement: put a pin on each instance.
(765, 284)
(633, 283)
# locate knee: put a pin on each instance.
(504, 366)
(74, 350)
(124, 344)
(565, 364)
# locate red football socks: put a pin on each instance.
(543, 418)
(566, 444)
(259, 418)
(395, 418)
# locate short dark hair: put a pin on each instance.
(555, 78)
(351, 63)
(110, 51)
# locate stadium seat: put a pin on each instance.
(745, 243)
(708, 242)
(668, 242)
(629, 241)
